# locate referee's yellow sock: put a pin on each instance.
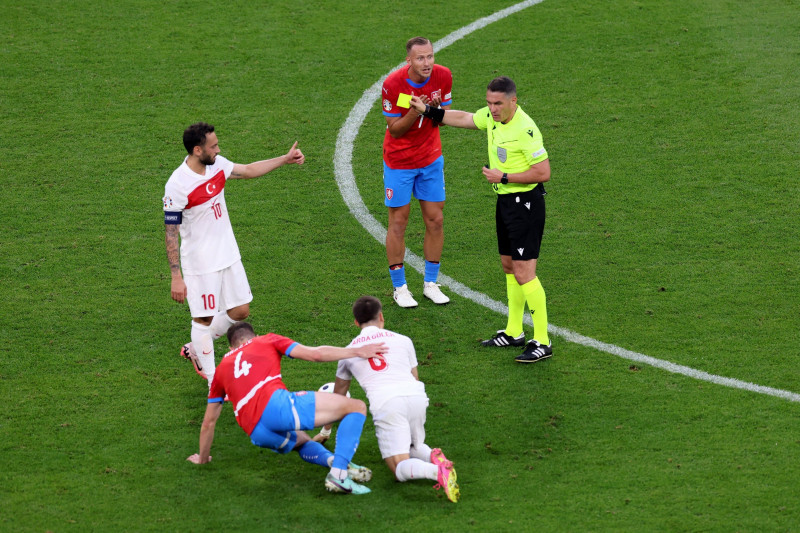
(537, 303)
(516, 306)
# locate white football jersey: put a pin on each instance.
(386, 379)
(207, 241)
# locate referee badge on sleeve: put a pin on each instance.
(502, 155)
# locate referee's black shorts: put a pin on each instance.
(519, 219)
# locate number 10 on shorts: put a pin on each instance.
(209, 302)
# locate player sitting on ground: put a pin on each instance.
(250, 376)
(397, 401)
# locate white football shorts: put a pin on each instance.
(399, 423)
(215, 292)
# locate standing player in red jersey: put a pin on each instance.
(413, 164)
(250, 376)
(207, 272)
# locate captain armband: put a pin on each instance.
(173, 217)
(436, 114)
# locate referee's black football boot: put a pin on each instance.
(502, 340)
(535, 352)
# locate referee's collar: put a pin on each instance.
(512, 116)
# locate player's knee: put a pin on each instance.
(398, 226)
(358, 406)
(398, 218)
(523, 278)
(435, 224)
(239, 313)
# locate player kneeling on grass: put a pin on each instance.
(397, 401)
(250, 376)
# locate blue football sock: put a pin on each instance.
(398, 276)
(431, 271)
(347, 437)
(315, 453)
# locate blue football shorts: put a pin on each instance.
(426, 183)
(285, 414)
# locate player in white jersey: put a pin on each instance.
(397, 401)
(208, 272)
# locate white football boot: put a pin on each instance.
(432, 291)
(403, 297)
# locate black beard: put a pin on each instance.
(208, 160)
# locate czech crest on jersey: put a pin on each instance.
(502, 155)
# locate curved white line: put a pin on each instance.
(343, 169)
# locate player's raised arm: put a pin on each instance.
(293, 157)
(448, 117)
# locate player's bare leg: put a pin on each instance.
(239, 313)
(396, 234)
(524, 271)
(433, 216)
(396, 252)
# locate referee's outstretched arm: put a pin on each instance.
(448, 117)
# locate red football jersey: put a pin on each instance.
(249, 375)
(420, 145)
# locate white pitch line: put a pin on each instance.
(343, 168)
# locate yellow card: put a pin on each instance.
(404, 100)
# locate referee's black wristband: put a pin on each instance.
(436, 114)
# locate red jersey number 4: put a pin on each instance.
(241, 368)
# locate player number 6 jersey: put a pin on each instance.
(383, 379)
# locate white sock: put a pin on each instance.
(204, 348)
(220, 324)
(421, 451)
(339, 474)
(416, 469)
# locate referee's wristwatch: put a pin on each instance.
(504, 179)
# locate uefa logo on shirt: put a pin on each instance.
(167, 202)
(389, 193)
(387, 105)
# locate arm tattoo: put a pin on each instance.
(173, 255)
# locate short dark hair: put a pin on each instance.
(195, 135)
(503, 84)
(366, 309)
(416, 41)
(240, 332)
